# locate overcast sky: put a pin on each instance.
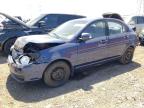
(29, 8)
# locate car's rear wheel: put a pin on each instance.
(57, 74)
(8, 45)
(127, 56)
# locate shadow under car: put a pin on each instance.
(38, 91)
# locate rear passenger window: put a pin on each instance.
(115, 28)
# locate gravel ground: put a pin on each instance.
(108, 86)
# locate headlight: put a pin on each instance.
(141, 35)
(24, 60)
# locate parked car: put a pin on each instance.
(137, 23)
(73, 45)
(11, 28)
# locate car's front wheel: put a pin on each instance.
(127, 56)
(8, 45)
(57, 74)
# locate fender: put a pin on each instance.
(15, 34)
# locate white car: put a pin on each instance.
(137, 23)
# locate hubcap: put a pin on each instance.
(58, 74)
(128, 55)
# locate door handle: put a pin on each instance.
(126, 36)
(103, 41)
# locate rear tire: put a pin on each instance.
(57, 74)
(8, 45)
(127, 56)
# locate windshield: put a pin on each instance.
(69, 29)
(33, 21)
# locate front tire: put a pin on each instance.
(127, 56)
(57, 74)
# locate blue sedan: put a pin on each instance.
(76, 44)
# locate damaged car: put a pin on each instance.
(11, 28)
(74, 45)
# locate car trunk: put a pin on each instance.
(112, 15)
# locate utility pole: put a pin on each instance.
(40, 6)
(143, 7)
(140, 7)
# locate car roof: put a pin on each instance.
(62, 14)
(94, 19)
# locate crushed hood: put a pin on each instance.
(15, 20)
(22, 41)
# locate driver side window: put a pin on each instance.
(51, 21)
(96, 29)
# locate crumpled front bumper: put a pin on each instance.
(30, 72)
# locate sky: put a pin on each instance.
(92, 8)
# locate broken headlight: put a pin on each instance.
(141, 34)
(24, 60)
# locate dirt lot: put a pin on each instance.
(108, 86)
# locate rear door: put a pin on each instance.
(117, 38)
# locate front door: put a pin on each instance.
(95, 48)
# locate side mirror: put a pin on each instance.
(42, 24)
(85, 36)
